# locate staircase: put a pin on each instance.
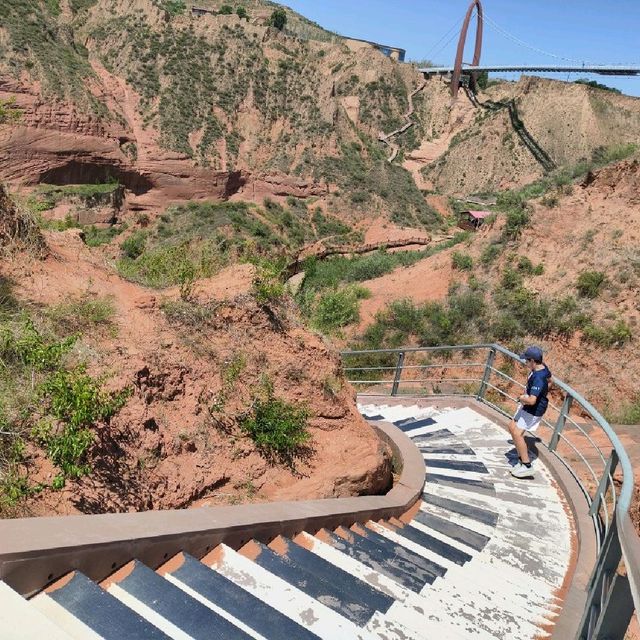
(481, 556)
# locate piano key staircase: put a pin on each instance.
(481, 555)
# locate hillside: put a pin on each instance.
(186, 107)
(168, 173)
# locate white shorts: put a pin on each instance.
(526, 420)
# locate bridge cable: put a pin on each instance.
(456, 31)
(522, 43)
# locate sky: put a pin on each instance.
(596, 31)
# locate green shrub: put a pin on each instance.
(517, 220)
(527, 267)
(25, 345)
(164, 266)
(241, 12)
(629, 413)
(462, 261)
(174, 7)
(590, 283)
(77, 401)
(278, 428)
(612, 336)
(278, 19)
(84, 314)
(490, 253)
(268, 287)
(94, 237)
(225, 10)
(338, 308)
(133, 247)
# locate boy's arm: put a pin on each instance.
(528, 400)
(532, 397)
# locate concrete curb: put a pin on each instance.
(35, 551)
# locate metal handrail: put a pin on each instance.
(613, 595)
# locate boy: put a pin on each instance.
(533, 404)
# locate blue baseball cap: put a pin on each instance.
(534, 353)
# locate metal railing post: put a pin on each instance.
(562, 418)
(600, 583)
(487, 373)
(609, 469)
(398, 375)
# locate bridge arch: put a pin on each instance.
(457, 70)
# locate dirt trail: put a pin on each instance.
(460, 117)
(386, 138)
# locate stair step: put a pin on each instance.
(19, 620)
(430, 543)
(377, 580)
(279, 594)
(230, 600)
(63, 618)
(352, 606)
(170, 602)
(467, 536)
(357, 589)
(472, 512)
(105, 615)
(433, 569)
(467, 484)
(376, 557)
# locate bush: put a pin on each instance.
(278, 19)
(241, 12)
(590, 283)
(268, 287)
(278, 428)
(612, 336)
(490, 253)
(133, 247)
(226, 10)
(527, 267)
(338, 308)
(462, 261)
(517, 220)
(168, 265)
(83, 314)
(77, 401)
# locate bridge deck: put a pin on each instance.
(598, 69)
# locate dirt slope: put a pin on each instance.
(171, 446)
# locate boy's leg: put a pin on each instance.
(518, 440)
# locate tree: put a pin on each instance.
(226, 10)
(482, 80)
(278, 19)
(241, 12)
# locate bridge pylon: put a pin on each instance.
(457, 71)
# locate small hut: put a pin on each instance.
(473, 220)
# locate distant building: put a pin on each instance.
(201, 12)
(391, 52)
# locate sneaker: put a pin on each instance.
(521, 471)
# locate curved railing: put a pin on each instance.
(572, 429)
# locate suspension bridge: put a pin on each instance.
(466, 74)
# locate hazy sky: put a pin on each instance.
(598, 31)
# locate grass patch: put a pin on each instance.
(82, 315)
(45, 400)
(278, 428)
(590, 283)
(337, 308)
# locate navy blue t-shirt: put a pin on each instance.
(538, 385)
